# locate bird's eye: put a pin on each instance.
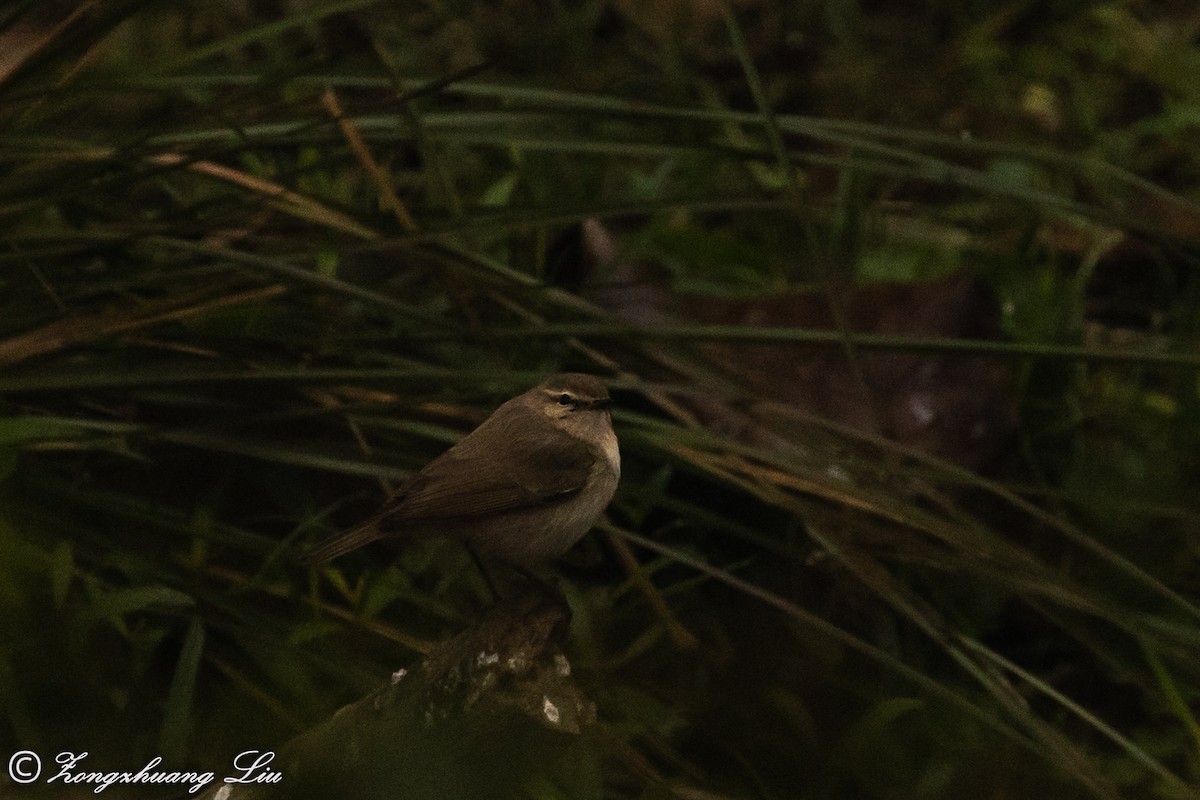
(565, 399)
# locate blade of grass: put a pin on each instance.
(268, 30)
(177, 712)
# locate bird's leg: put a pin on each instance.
(547, 589)
(541, 588)
(487, 576)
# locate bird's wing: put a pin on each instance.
(469, 481)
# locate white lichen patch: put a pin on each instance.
(562, 667)
(398, 675)
(838, 473)
(487, 659)
(920, 405)
(549, 711)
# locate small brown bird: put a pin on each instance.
(522, 487)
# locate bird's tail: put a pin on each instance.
(342, 542)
